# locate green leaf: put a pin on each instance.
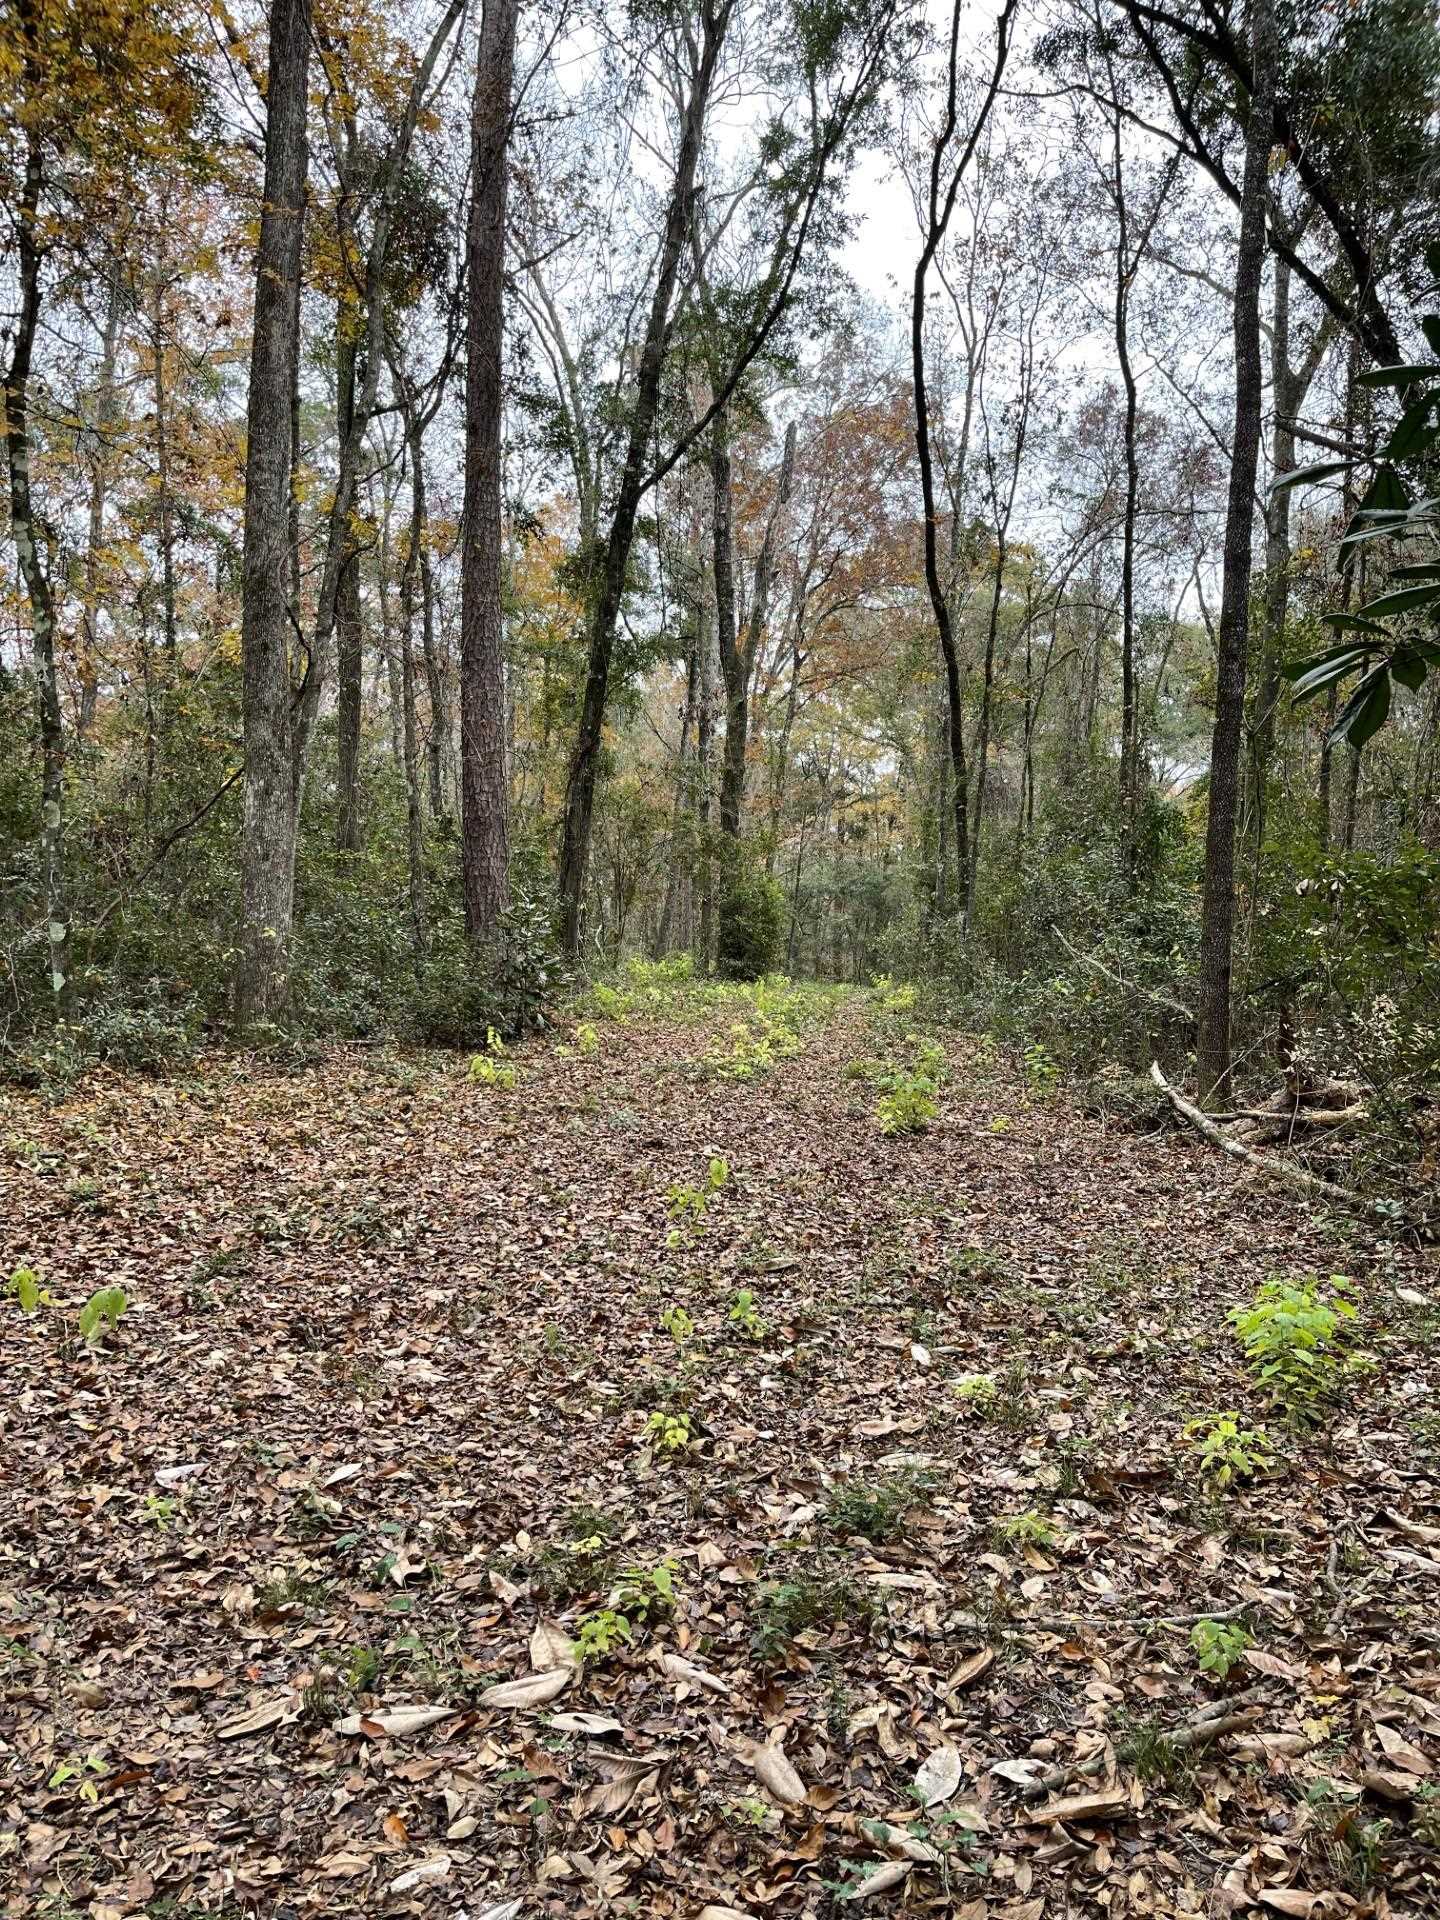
(1430, 327)
(1412, 432)
(1364, 712)
(1408, 667)
(1353, 621)
(1405, 601)
(1385, 493)
(1323, 669)
(1422, 570)
(1309, 476)
(1404, 376)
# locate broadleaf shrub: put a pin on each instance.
(752, 910)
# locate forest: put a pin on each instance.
(719, 958)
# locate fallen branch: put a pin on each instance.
(1220, 1718)
(1299, 1116)
(1060, 1622)
(1276, 1169)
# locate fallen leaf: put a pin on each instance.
(1105, 1805)
(775, 1773)
(551, 1647)
(595, 1723)
(686, 1670)
(531, 1690)
(971, 1668)
(396, 1720)
(272, 1713)
(437, 1868)
(1397, 1748)
(1287, 1899)
(884, 1879)
(938, 1776)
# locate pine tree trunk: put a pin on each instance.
(1217, 923)
(484, 843)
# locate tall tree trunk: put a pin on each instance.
(672, 887)
(484, 845)
(27, 534)
(414, 815)
(94, 587)
(726, 641)
(584, 766)
(1217, 922)
(349, 642)
(738, 665)
(164, 498)
(982, 743)
(268, 850)
(704, 758)
(941, 206)
(1129, 708)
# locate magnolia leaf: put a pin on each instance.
(1287, 1899)
(1364, 712)
(1401, 602)
(687, 1671)
(1019, 1773)
(938, 1776)
(531, 1690)
(271, 1713)
(1309, 476)
(437, 1868)
(396, 1720)
(971, 1668)
(592, 1723)
(1395, 376)
(1104, 1805)
(775, 1774)
(550, 1647)
(884, 1879)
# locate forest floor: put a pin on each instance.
(374, 1434)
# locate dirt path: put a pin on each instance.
(380, 1407)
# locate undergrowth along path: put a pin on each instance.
(862, 1479)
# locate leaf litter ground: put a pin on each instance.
(292, 1564)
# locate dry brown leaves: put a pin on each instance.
(285, 1621)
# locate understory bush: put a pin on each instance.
(752, 912)
(153, 891)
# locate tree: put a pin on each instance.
(484, 799)
(1217, 914)
(268, 852)
(96, 96)
(838, 63)
(940, 206)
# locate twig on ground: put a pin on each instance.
(1220, 1717)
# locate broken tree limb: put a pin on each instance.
(1276, 1169)
(1220, 1717)
(1299, 1116)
